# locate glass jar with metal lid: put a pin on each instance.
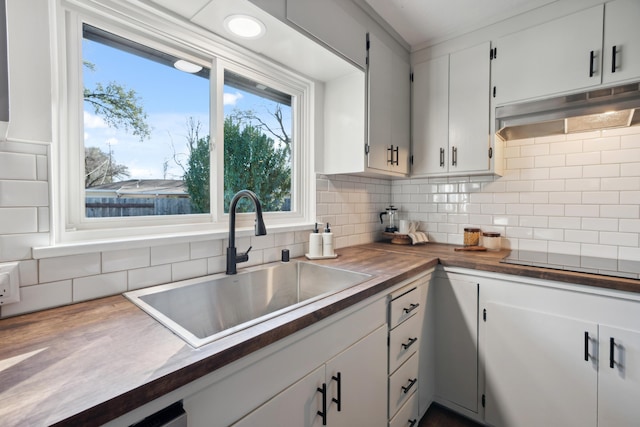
(472, 236)
(491, 241)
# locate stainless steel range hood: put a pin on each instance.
(598, 109)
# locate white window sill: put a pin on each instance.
(77, 248)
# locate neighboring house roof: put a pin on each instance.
(139, 187)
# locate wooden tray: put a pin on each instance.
(397, 238)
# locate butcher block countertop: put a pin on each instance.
(88, 363)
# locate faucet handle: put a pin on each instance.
(243, 256)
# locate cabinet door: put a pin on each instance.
(622, 33)
(619, 377)
(430, 124)
(362, 387)
(298, 405)
(389, 105)
(469, 99)
(331, 24)
(550, 58)
(536, 372)
(456, 310)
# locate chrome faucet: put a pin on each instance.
(261, 230)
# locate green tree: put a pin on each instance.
(196, 173)
(256, 162)
(252, 161)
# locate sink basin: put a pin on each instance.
(206, 309)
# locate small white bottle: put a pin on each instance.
(315, 243)
(327, 242)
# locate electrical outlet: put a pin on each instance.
(9, 283)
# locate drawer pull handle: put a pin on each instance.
(592, 56)
(323, 413)
(405, 389)
(612, 346)
(338, 378)
(412, 422)
(410, 308)
(409, 343)
(586, 346)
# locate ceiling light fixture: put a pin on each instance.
(186, 66)
(245, 26)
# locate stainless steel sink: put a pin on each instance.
(206, 309)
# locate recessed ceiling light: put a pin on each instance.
(186, 66)
(244, 26)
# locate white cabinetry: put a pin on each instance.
(559, 56)
(328, 21)
(343, 392)
(536, 369)
(389, 109)
(618, 377)
(406, 335)
(569, 53)
(548, 349)
(622, 36)
(451, 114)
(456, 337)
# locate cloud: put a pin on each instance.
(111, 141)
(91, 121)
(231, 98)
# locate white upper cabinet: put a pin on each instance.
(327, 21)
(559, 56)
(389, 109)
(621, 49)
(430, 110)
(469, 83)
(451, 114)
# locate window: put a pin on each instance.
(160, 135)
(146, 130)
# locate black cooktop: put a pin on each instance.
(579, 263)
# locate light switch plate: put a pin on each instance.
(9, 283)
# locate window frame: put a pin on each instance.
(189, 42)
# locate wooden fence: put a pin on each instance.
(103, 207)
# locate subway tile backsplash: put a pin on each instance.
(574, 194)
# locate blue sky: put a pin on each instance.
(169, 97)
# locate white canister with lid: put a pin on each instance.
(491, 240)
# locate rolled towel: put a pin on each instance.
(418, 237)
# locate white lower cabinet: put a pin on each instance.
(456, 341)
(618, 377)
(356, 383)
(540, 369)
(343, 392)
(558, 354)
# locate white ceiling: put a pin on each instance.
(425, 22)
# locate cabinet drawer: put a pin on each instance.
(408, 415)
(404, 306)
(403, 342)
(403, 383)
